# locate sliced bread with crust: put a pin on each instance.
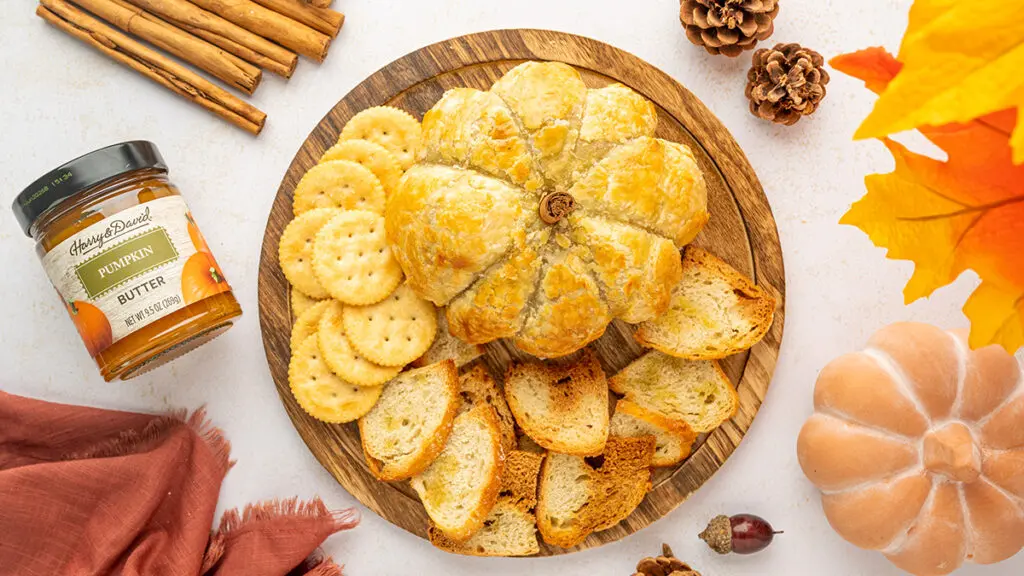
(564, 408)
(673, 437)
(476, 387)
(696, 391)
(714, 312)
(579, 496)
(446, 346)
(511, 528)
(410, 423)
(460, 487)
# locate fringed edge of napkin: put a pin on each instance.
(138, 440)
(317, 564)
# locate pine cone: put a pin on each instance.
(785, 83)
(665, 565)
(728, 26)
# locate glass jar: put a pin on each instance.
(122, 250)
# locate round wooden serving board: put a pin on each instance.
(741, 231)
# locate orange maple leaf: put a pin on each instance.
(946, 217)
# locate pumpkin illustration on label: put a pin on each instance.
(92, 326)
(197, 237)
(201, 278)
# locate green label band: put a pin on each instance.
(126, 261)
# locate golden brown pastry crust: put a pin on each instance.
(465, 228)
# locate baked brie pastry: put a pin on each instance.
(540, 210)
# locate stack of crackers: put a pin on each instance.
(357, 323)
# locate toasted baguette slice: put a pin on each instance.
(409, 425)
(511, 528)
(526, 444)
(461, 486)
(577, 498)
(476, 387)
(446, 346)
(564, 408)
(714, 312)
(673, 437)
(696, 391)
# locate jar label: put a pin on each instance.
(131, 269)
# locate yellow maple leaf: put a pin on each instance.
(946, 217)
(962, 59)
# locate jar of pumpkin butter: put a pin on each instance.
(122, 250)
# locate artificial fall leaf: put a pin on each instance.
(966, 212)
(962, 59)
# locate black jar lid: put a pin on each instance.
(81, 174)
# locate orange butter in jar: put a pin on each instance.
(120, 246)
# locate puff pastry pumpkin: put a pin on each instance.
(540, 210)
(917, 444)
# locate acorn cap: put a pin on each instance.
(718, 534)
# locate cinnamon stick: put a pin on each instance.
(151, 64)
(321, 19)
(227, 67)
(319, 3)
(271, 25)
(223, 33)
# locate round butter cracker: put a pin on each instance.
(352, 259)
(394, 129)
(338, 184)
(300, 303)
(373, 156)
(323, 395)
(392, 332)
(307, 324)
(295, 251)
(341, 358)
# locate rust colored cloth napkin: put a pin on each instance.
(85, 491)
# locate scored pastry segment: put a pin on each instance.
(295, 250)
(651, 183)
(411, 422)
(612, 115)
(352, 259)
(448, 225)
(394, 129)
(492, 307)
(569, 311)
(475, 129)
(548, 99)
(320, 393)
(308, 323)
(394, 331)
(338, 184)
(372, 156)
(341, 358)
(636, 269)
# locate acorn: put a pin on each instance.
(742, 534)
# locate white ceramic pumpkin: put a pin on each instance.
(917, 445)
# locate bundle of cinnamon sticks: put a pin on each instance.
(233, 41)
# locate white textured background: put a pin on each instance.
(59, 99)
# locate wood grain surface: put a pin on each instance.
(741, 230)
